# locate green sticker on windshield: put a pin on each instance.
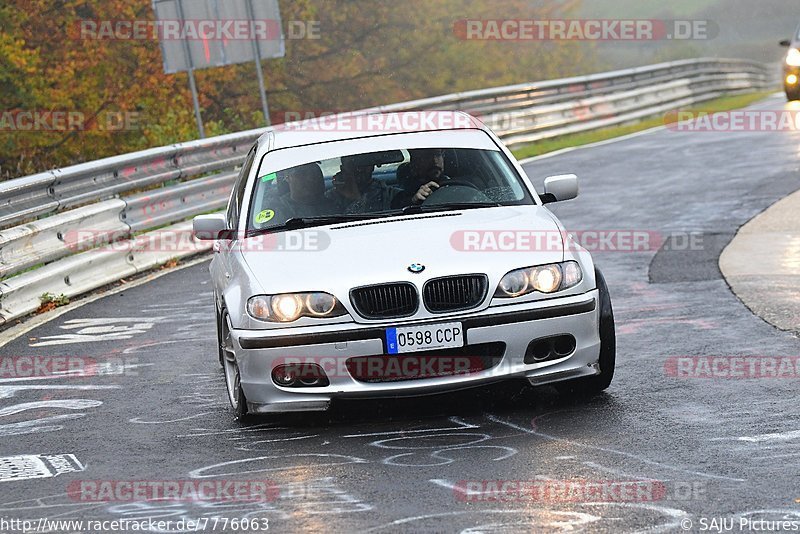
(269, 177)
(265, 216)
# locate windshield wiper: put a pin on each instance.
(450, 206)
(296, 223)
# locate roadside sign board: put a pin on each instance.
(216, 33)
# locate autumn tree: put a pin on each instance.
(369, 52)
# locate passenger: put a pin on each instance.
(356, 191)
(426, 174)
(306, 196)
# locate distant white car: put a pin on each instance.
(375, 262)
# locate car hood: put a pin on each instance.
(377, 251)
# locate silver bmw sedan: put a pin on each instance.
(398, 254)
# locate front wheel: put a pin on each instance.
(233, 383)
(792, 94)
(608, 348)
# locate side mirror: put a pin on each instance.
(785, 42)
(561, 187)
(210, 227)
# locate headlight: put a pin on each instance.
(320, 304)
(546, 279)
(286, 308)
(543, 278)
(289, 307)
(572, 274)
(514, 283)
(793, 57)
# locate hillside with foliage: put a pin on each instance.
(369, 53)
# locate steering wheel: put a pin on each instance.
(440, 196)
(462, 183)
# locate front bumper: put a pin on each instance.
(259, 351)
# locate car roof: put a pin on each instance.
(355, 125)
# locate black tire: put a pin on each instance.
(608, 348)
(240, 410)
(792, 95)
(233, 384)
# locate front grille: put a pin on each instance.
(454, 293)
(385, 301)
(459, 361)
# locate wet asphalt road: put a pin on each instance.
(708, 447)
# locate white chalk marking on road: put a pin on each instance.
(215, 432)
(249, 445)
(775, 436)
(581, 518)
(611, 451)
(102, 368)
(29, 378)
(461, 426)
(784, 513)
(464, 491)
(773, 456)
(620, 472)
(37, 426)
(480, 438)
(199, 473)
(99, 329)
(438, 454)
(40, 504)
(137, 348)
(73, 404)
(9, 391)
(28, 466)
(673, 513)
(138, 420)
(460, 422)
(449, 485)
(10, 334)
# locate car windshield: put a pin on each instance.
(389, 182)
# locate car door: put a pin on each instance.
(223, 265)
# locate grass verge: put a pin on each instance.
(725, 103)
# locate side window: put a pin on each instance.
(237, 195)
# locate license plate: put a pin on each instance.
(427, 337)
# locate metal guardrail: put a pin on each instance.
(87, 235)
(62, 189)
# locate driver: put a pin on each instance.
(426, 174)
(306, 196)
(356, 191)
